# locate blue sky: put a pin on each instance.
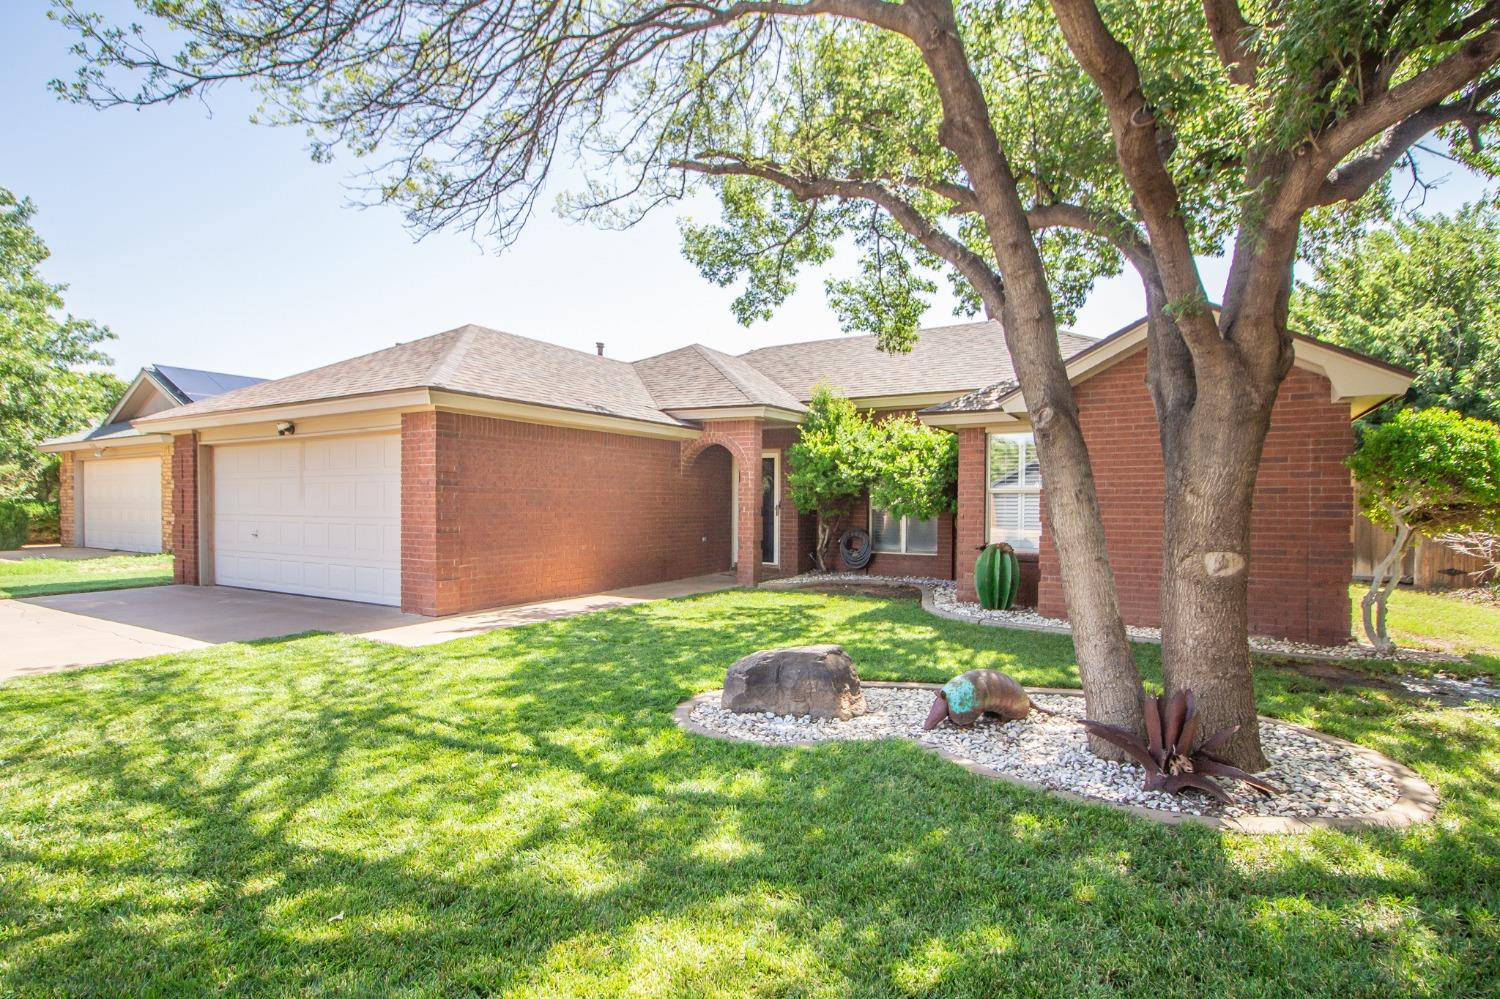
(205, 241)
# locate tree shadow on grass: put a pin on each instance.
(516, 813)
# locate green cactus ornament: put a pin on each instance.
(997, 576)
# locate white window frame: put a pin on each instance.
(775, 526)
(1021, 489)
(870, 527)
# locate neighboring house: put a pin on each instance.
(116, 479)
(476, 468)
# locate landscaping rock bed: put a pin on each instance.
(1325, 781)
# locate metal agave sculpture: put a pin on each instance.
(1172, 762)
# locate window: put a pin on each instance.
(1015, 492)
(903, 535)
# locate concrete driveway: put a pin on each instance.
(45, 634)
(42, 634)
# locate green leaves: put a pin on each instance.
(914, 469)
(1424, 294)
(908, 469)
(42, 392)
(1434, 469)
(829, 466)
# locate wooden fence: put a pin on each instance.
(1427, 566)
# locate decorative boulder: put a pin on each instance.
(816, 680)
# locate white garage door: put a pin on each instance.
(318, 517)
(122, 504)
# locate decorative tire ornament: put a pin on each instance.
(855, 549)
(997, 576)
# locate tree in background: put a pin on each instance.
(1427, 471)
(1424, 294)
(1023, 147)
(828, 468)
(42, 391)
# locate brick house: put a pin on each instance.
(115, 480)
(476, 468)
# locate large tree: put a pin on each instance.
(1423, 293)
(1023, 147)
(43, 391)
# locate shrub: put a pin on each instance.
(13, 520)
(45, 527)
(1430, 471)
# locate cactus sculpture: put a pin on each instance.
(997, 576)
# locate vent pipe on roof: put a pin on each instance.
(599, 346)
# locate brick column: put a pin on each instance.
(185, 531)
(969, 520)
(67, 511)
(429, 525)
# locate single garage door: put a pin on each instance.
(122, 504)
(316, 517)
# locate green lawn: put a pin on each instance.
(515, 814)
(1431, 620)
(36, 577)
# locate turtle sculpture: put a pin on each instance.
(980, 692)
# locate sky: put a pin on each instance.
(203, 240)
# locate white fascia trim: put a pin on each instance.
(525, 412)
(106, 444)
(1358, 382)
(144, 376)
(989, 419)
(915, 400)
(739, 413)
(412, 399)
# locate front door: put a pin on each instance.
(770, 508)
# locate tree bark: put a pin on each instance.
(1213, 430)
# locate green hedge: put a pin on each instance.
(44, 528)
(13, 520)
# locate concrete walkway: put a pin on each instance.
(45, 634)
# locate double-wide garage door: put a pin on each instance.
(320, 517)
(122, 504)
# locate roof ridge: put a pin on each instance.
(450, 359)
(734, 381)
(851, 337)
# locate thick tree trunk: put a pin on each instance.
(1211, 438)
(1106, 662)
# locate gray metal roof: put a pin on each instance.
(194, 385)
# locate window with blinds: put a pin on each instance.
(903, 535)
(1015, 478)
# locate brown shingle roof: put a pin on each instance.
(697, 377)
(944, 359)
(470, 359)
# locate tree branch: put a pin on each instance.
(1231, 34)
(1119, 231)
(1138, 144)
(971, 265)
(1387, 111)
(1350, 180)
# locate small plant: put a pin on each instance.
(1172, 762)
(997, 576)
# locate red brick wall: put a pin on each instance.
(496, 512)
(1300, 538)
(970, 527)
(185, 509)
(67, 511)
